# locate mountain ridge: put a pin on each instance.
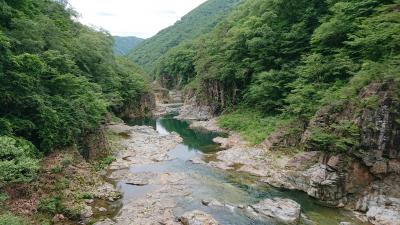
(199, 21)
(124, 44)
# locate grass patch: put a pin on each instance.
(10, 219)
(103, 163)
(56, 169)
(253, 125)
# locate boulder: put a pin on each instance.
(197, 218)
(86, 212)
(58, 218)
(381, 215)
(280, 210)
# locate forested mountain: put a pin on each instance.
(199, 21)
(288, 58)
(58, 81)
(123, 45)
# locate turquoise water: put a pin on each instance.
(230, 188)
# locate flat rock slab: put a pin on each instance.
(144, 146)
(280, 210)
(209, 125)
(128, 177)
(157, 206)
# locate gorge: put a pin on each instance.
(242, 112)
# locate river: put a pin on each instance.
(231, 189)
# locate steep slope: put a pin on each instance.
(59, 81)
(199, 21)
(303, 75)
(123, 45)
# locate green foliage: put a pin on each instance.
(54, 205)
(289, 58)
(58, 78)
(269, 90)
(61, 184)
(66, 161)
(199, 21)
(10, 219)
(17, 161)
(3, 198)
(56, 169)
(85, 195)
(254, 126)
(103, 163)
(339, 138)
(176, 67)
(123, 45)
(51, 206)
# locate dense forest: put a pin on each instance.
(124, 45)
(287, 59)
(201, 20)
(58, 82)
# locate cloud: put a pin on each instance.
(142, 18)
(167, 12)
(104, 14)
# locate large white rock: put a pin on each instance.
(197, 218)
(278, 209)
(383, 215)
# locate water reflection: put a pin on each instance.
(194, 140)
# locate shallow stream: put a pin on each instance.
(207, 183)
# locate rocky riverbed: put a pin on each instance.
(170, 174)
(313, 173)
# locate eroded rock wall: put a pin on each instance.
(365, 173)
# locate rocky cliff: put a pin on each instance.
(359, 154)
(140, 107)
(350, 157)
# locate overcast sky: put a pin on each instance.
(141, 18)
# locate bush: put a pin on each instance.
(253, 125)
(103, 163)
(17, 161)
(56, 169)
(85, 195)
(51, 205)
(66, 161)
(61, 184)
(341, 138)
(10, 219)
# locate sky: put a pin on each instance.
(140, 18)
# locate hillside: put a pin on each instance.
(314, 76)
(60, 83)
(199, 21)
(123, 45)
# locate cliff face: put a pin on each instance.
(140, 107)
(359, 165)
(94, 143)
(194, 108)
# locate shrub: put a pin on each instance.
(56, 169)
(51, 205)
(85, 195)
(66, 161)
(103, 163)
(10, 219)
(61, 184)
(341, 138)
(253, 125)
(17, 161)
